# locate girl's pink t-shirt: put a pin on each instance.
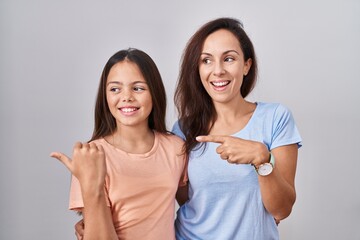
(140, 188)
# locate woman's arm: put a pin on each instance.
(278, 188)
(79, 229)
(182, 194)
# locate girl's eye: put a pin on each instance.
(114, 89)
(139, 89)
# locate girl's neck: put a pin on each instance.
(132, 140)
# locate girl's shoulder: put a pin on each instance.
(101, 141)
(169, 142)
(170, 138)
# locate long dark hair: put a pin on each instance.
(195, 107)
(105, 123)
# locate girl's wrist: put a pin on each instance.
(92, 190)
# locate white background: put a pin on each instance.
(52, 54)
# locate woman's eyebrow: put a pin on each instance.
(224, 53)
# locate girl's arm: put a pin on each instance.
(97, 218)
(89, 167)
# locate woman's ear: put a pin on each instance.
(247, 66)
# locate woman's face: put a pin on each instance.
(222, 66)
(128, 95)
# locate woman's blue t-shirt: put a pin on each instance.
(224, 199)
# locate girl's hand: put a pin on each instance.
(87, 165)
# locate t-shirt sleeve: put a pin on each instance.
(285, 131)
(75, 200)
(177, 131)
(184, 175)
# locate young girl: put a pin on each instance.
(130, 153)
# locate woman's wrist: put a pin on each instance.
(262, 157)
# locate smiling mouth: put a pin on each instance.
(220, 83)
(128, 109)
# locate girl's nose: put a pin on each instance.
(127, 96)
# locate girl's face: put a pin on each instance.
(222, 66)
(128, 95)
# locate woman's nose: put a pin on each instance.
(218, 69)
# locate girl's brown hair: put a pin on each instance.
(105, 123)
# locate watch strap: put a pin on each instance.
(272, 160)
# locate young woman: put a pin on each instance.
(125, 179)
(242, 155)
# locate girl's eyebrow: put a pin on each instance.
(120, 83)
(113, 82)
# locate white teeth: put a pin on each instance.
(220, 84)
(127, 110)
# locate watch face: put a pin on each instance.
(265, 169)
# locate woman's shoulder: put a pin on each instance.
(270, 105)
(176, 129)
(272, 108)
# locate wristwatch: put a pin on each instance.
(266, 168)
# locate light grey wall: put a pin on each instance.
(52, 54)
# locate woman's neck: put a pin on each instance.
(232, 117)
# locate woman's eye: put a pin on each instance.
(229, 59)
(206, 61)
